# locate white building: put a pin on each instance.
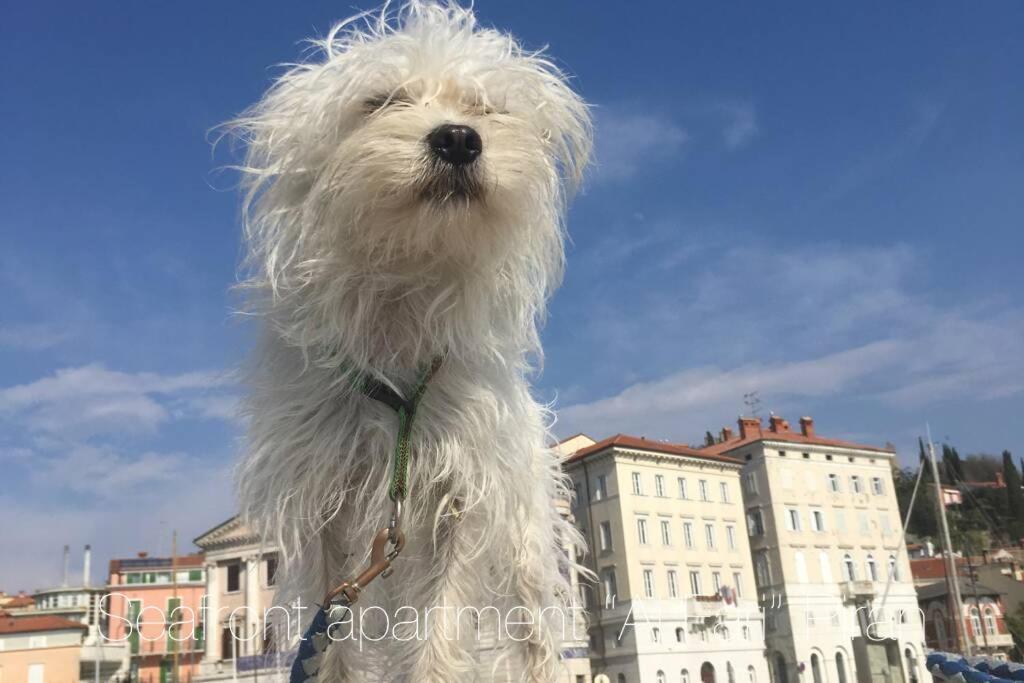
(83, 603)
(240, 580)
(675, 599)
(830, 564)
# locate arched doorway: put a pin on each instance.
(707, 673)
(781, 676)
(911, 664)
(840, 667)
(816, 668)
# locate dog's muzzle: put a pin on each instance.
(454, 174)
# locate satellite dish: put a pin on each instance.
(601, 678)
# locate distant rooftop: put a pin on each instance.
(751, 431)
(651, 445)
(32, 624)
(143, 561)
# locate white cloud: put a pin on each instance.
(27, 337)
(627, 141)
(740, 125)
(825, 323)
(92, 399)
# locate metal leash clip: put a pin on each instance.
(380, 563)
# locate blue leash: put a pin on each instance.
(338, 603)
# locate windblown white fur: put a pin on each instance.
(359, 264)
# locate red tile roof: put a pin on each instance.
(932, 567)
(31, 624)
(765, 433)
(640, 443)
(19, 601)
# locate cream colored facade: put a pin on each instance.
(43, 649)
(674, 599)
(825, 533)
(239, 592)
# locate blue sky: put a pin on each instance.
(821, 203)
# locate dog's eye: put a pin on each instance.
(384, 100)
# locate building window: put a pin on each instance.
(865, 526)
(641, 530)
(723, 489)
(894, 572)
(234, 571)
(792, 519)
(659, 486)
(876, 486)
(801, 566)
(709, 536)
(730, 536)
(884, 521)
(833, 483)
(694, 583)
(751, 675)
(750, 483)
(271, 566)
(702, 485)
(855, 484)
(688, 534)
(716, 582)
(755, 522)
(610, 587)
(990, 621)
(673, 584)
(680, 635)
(849, 569)
(656, 638)
(649, 583)
(762, 570)
(818, 520)
(666, 534)
(684, 676)
(825, 566)
(745, 632)
(737, 584)
(606, 535)
(683, 493)
(637, 490)
(975, 621)
(601, 487)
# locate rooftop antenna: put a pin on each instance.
(753, 402)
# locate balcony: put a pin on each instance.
(994, 640)
(856, 591)
(707, 606)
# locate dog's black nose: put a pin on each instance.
(458, 145)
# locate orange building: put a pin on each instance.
(156, 609)
(40, 649)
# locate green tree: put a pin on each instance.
(1014, 496)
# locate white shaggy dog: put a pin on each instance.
(406, 193)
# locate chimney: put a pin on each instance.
(749, 427)
(726, 434)
(143, 554)
(777, 425)
(67, 559)
(1000, 482)
(806, 426)
(86, 565)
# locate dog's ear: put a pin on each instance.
(568, 128)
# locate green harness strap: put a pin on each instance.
(406, 411)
